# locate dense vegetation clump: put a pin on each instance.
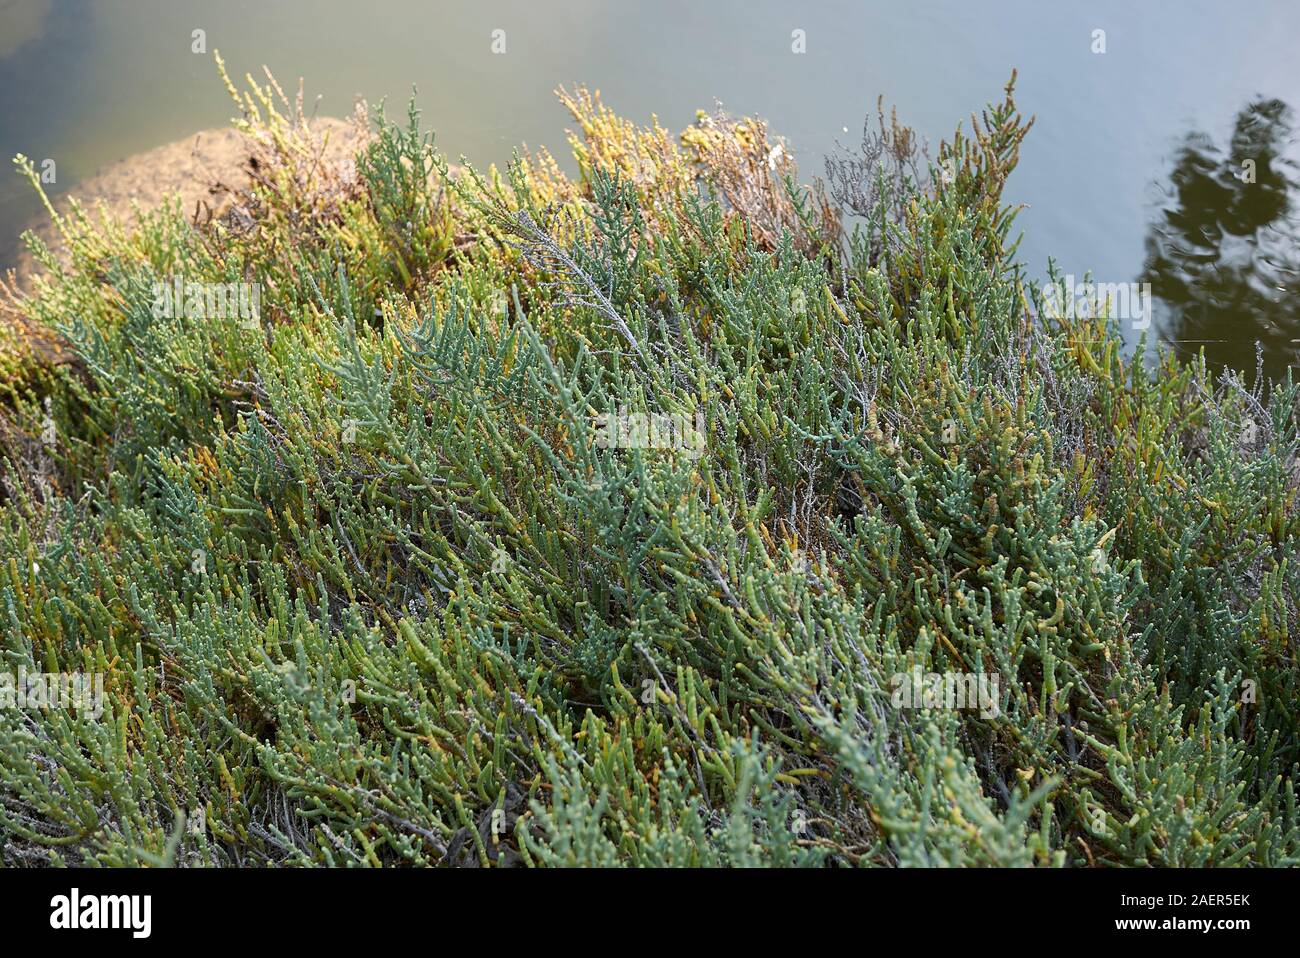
(557, 521)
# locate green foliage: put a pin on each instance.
(369, 585)
(403, 176)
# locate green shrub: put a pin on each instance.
(374, 580)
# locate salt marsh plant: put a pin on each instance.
(367, 588)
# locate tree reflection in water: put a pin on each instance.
(1223, 254)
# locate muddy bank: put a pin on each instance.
(201, 169)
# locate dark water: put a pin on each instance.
(1133, 169)
(1223, 248)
